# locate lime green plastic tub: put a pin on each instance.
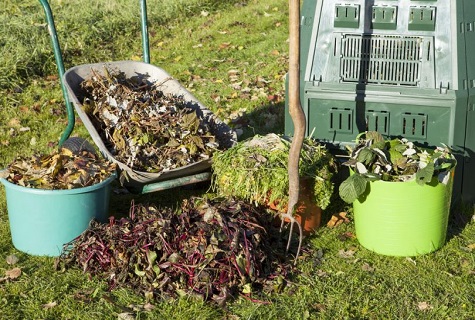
(403, 218)
(42, 221)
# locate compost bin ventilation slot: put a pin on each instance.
(414, 125)
(341, 120)
(381, 59)
(377, 121)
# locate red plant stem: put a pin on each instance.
(165, 244)
(249, 223)
(236, 265)
(248, 258)
(254, 300)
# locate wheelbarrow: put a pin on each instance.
(135, 181)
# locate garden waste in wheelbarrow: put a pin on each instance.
(131, 177)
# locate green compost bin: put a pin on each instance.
(402, 68)
(403, 218)
(42, 221)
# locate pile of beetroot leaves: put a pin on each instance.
(211, 250)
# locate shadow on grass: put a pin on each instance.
(460, 216)
(120, 201)
(263, 120)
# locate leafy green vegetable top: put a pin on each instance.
(374, 158)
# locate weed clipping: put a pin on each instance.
(210, 251)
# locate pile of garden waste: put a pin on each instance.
(59, 170)
(143, 127)
(210, 250)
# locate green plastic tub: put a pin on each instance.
(403, 218)
(42, 221)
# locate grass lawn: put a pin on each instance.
(232, 55)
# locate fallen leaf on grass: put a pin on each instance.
(12, 259)
(471, 247)
(321, 273)
(345, 236)
(367, 267)
(50, 305)
(13, 273)
(52, 77)
(224, 45)
(346, 254)
(338, 219)
(24, 109)
(126, 316)
(141, 307)
(14, 122)
(319, 307)
(423, 306)
(148, 307)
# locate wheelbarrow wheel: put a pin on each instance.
(77, 144)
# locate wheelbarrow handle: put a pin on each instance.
(145, 42)
(60, 65)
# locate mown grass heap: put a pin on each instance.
(210, 250)
(256, 170)
(143, 127)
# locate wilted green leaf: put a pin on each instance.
(352, 188)
(394, 155)
(366, 156)
(425, 174)
(377, 138)
(139, 272)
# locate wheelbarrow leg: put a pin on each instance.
(59, 63)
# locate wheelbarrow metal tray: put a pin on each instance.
(72, 80)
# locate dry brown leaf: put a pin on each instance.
(52, 77)
(320, 307)
(148, 307)
(24, 109)
(367, 267)
(12, 259)
(126, 316)
(50, 305)
(345, 236)
(14, 122)
(346, 254)
(338, 219)
(423, 306)
(13, 273)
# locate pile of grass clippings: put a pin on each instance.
(256, 170)
(210, 251)
(143, 127)
(59, 170)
